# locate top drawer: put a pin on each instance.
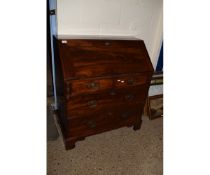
(95, 58)
(96, 85)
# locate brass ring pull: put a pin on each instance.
(129, 97)
(93, 85)
(125, 115)
(131, 81)
(112, 92)
(91, 124)
(92, 103)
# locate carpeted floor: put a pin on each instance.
(118, 152)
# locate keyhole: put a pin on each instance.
(107, 43)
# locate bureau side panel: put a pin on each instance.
(61, 112)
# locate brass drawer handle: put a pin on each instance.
(93, 85)
(131, 81)
(129, 97)
(124, 115)
(91, 124)
(112, 92)
(92, 103)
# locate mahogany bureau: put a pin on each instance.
(102, 84)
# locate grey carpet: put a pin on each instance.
(118, 152)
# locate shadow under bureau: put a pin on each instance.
(102, 84)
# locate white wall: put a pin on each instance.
(140, 18)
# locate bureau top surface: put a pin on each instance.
(88, 58)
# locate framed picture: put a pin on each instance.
(154, 106)
(157, 79)
(154, 103)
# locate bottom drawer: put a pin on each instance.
(103, 122)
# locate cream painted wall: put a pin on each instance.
(140, 18)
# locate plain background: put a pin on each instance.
(186, 87)
(140, 18)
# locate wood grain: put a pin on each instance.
(102, 60)
(102, 85)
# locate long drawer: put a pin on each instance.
(83, 104)
(80, 132)
(112, 118)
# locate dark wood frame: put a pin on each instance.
(148, 106)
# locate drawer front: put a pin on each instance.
(83, 59)
(110, 119)
(87, 86)
(80, 105)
